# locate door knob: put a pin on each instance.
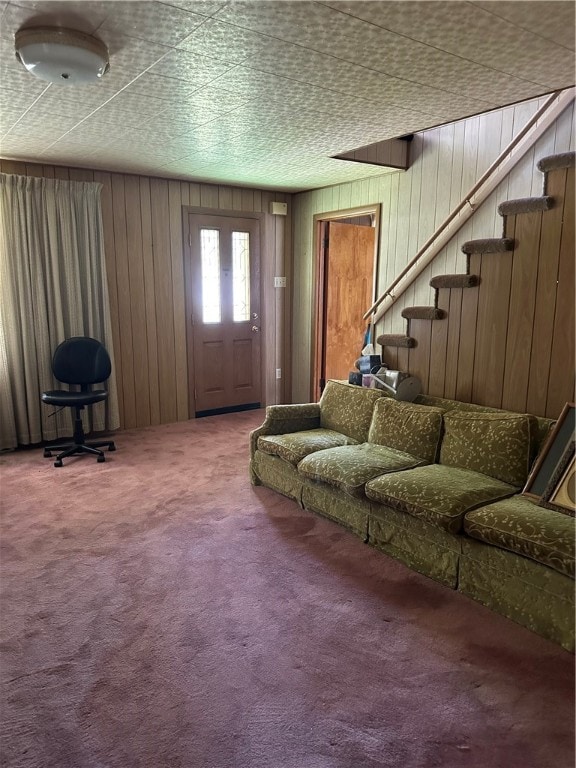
(255, 329)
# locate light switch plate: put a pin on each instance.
(279, 282)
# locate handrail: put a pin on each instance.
(466, 207)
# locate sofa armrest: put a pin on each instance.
(283, 419)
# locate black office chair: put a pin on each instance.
(82, 361)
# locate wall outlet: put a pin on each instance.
(279, 282)
(278, 373)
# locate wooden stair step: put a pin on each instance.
(525, 205)
(489, 245)
(395, 340)
(553, 162)
(423, 313)
(455, 281)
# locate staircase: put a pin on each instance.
(502, 333)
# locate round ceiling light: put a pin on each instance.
(62, 56)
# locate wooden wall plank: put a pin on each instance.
(178, 300)
(32, 169)
(137, 299)
(163, 296)
(561, 380)
(453, 340)
(150, 300)
(419, 356)
(545, 300)
(466, 346)
(81, 174)
(439, 347)
(225, 198)
(13, 166)
(521, 311)
(489, 339)
(208, 196)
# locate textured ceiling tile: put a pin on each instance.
(554, 21)
(184, 65)
(128, 54)
(66, 101)
(152, 21)
(468, 31)
(263, 92)
(203, 7)
(18, 100)
(224, 41)
(160, 87)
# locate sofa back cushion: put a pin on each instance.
(348, 409)
(539, 426)
(407, 427)
(494, 444)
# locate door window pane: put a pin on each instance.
(210, 253)
(241, 276)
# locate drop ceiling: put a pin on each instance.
(263, 94)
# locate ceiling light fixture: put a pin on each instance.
(62, 56)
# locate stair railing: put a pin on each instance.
(486, 184)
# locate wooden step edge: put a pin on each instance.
(525, 205)
(395, 340)
(423, 313)
(455, 281)
(488, 245)
(554, 162)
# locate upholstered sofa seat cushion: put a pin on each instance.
(441, 495)
(408, 427)
(350, 467)
(294, 446)
(519, 525)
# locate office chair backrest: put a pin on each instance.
(81, 360)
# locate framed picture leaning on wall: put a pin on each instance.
(554, 458)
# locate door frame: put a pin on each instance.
(186, 238)
(320, 220)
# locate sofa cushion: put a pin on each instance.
(439, 494)
(494, 444)
(294, 446)
(348, 409)
(407, 427)
(350, 467)
(519, 525)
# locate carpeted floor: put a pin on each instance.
(160, 612)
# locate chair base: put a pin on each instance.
(71, 449)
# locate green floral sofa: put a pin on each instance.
(435, 484)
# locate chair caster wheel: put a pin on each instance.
(111, 447)
(47, 454)
(100, 459)
(58, 463)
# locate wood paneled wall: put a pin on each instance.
(445, 163)
(143, 230)
(508, 343)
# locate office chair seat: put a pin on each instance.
(63, 397)
(81, 361)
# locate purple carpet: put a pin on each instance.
(160, 612)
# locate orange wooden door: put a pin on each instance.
(348, 292)
(225, 296)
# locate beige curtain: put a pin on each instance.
(52, 286)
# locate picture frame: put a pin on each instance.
(552, 453)
(560, 494)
